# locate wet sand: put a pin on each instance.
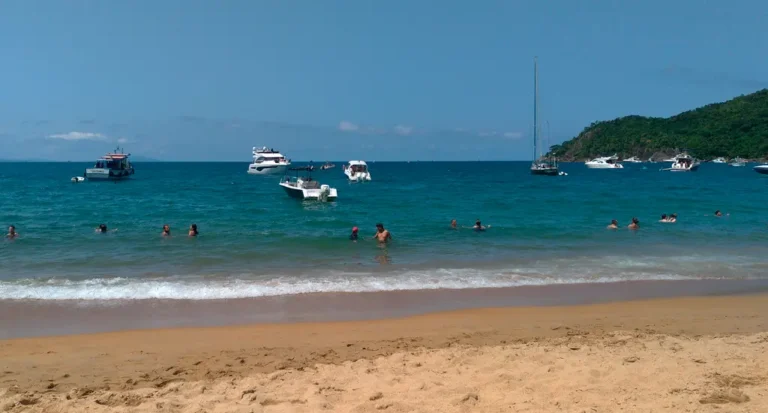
(680, 354)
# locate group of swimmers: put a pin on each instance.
(635, 223)
(102, 229)
(477, 227)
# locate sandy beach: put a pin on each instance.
(701, 354)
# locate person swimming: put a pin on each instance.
(454, 224)
(672, 218)
(166, 230)
(12, 232)
(192, 231)
(614, 224)
(479, 226)
(718, 213)
(664, 218)
(353, 235)
(635, 224)
(102, 228)
(382, 235)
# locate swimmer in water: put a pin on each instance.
(102, 228)
(192, 231)
(718, 213)
(672, 218)
(382, 235)
(166, 230)
(479, 227)
(635, 224)
(614, 224)
(353, 235)
(12, 232)
(454, 224)
(664, 218)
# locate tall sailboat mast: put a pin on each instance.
(535, 107)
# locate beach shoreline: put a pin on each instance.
(37, 318)
(140, 366)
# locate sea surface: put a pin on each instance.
(255, 241)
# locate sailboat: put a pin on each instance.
(540, 165)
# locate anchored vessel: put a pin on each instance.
(357, 171)
(112, 166)
(304, 187)
(541, 165)
(605, 162)
(267, 161)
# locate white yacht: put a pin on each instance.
(738, 162)
(112, 166)
(268, 161)
(684, 163)
(719, 160)
(357, 171)
(761, 169)
(633, 159)
(604, 162)
(304, 187)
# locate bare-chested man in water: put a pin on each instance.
(382, 235)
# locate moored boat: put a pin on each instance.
(738, 162)
(604, 162)
(268, 161)
(683, 163)
(357, 171)
(112, 166)
(541, 165)
(304, 187)
(761, 169)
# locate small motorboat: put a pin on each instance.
(738, 162)
(633, 159)
(683, 163)
(719, 160)
(306, 188)
(77, 179)
(327, 165)
(761, 169)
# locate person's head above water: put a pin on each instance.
(380, 227)
(454, 224)
(193, 229)
(614, 222)
(663, 216)
(103, 227)
(718, 213)
(635, 220)
(11, 229)
(166, 229)
(478, 224)
(354, 230)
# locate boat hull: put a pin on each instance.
(761, 169)
(603, 166)
(545, 171)
(103, 174)
(258, 169)
(308, 194)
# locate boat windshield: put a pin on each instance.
(358, 168)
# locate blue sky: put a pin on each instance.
(395, 80)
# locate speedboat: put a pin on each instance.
(633, 159)
(304, 187)
(719, 160)
(604, 162)
(268, 161)
(761, 169)
(738, 162)
(357, 171)
(684, 163)
(327, 165)
(112, 166)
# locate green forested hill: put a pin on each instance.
(736, 128)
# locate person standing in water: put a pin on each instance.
(192, 231)
(12, 232)
(479, 226)
(382, 235)
(635, 224)
(454, 224)
(614, 224)
(166, 230)
(353, 235)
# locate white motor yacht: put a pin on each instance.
(719, 160)
(738, 162)
(684, 163)
(604, 162)
(268, 161)
(304, 187)
(357, 171)
(112, 166)
(761, 169)
(633, 159)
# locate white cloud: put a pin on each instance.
(403, 130)
(122, 140)
(78, 136)
(513, 135)
(348, 126)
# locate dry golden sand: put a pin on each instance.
(689, 354)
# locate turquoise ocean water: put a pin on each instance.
(256, 241)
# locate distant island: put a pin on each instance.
(736, 128)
